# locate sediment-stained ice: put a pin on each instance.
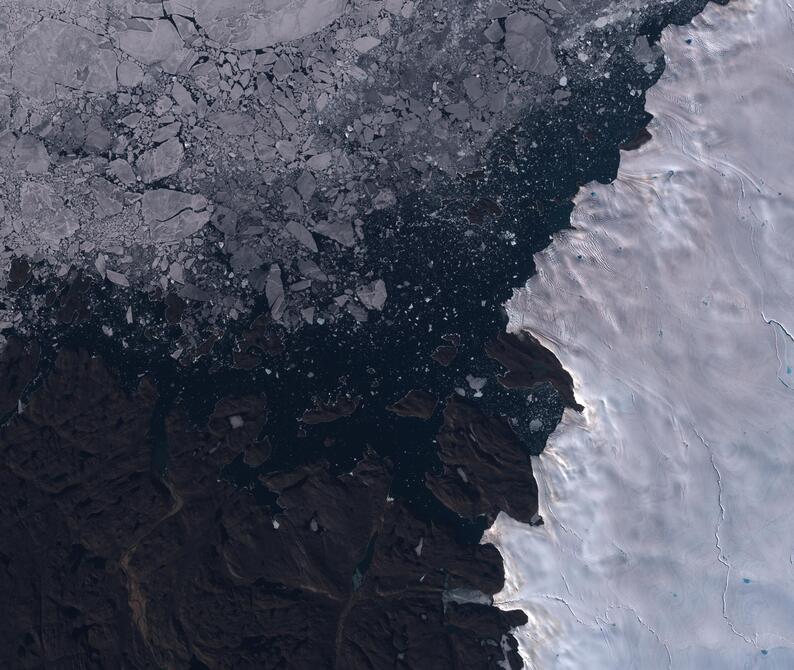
(668, 535)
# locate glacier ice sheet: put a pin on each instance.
(668, 539)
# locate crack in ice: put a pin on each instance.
(547, 596)
(721, 555)
(559, 599)
(779, 325)
(650, 630)
(780, 360)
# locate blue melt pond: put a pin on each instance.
(746, 581)
(788, 370)
(764, 652)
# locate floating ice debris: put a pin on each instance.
(373, 295)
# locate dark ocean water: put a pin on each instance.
(444, 274)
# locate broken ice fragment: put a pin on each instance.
(460, 110)
(97, 137)
(129, 74)
(528, 43)
(494, 32)
(117, 278)
(166, 132)
(340, 232)
(311, 270)
(319, 162)
(122, 171)
(300, 233)
(306, 185)
(41, 207)
(286, 150)
(54, 52)
(234, 124)
(161, 161)
(282, 67)
(473, 87)
(365, 44)
(183, 98)
(176, 271)
(245, 259)
(131, 120)
(274, 291)
(100, 265)
(247, 25)
(162, 105)
(30, 155)
(372, 295)
(154, 42)
(292, 201)
(476, 384)
(196, 293)
(326, 412)
(173, 215)
(109, 198)
(255, 454)
(497, 10)
(385, 199)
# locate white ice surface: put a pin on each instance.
(669, 504)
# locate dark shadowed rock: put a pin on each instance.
(325, 412)
(115, 565)
(416, 403)
(528, 364)
(486, 468)
(642, 136)
(446, 353)
(18, 364)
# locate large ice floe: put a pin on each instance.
(668, 505)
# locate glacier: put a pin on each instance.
(668, 534)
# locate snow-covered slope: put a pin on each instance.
(669, 504)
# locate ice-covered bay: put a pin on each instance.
(669, 504)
